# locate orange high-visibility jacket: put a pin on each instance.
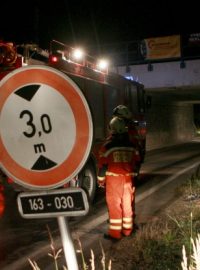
(117, 156)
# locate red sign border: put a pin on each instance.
(64, 172)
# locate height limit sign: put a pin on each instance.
(45, 127)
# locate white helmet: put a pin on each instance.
(122, 111)
(117, 126)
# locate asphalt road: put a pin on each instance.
(20, 239)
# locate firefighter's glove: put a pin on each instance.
(101, 182)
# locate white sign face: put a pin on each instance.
(45, 127)
(37, 126)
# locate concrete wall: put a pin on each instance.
(169, 123)
(167, 74)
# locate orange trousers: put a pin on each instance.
(120, 195)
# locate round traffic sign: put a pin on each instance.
(46, 127)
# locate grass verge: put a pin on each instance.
(169, 242)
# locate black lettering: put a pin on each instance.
(39, 148)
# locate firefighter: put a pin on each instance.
(123, 112)
(117, 159)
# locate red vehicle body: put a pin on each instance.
(103, 91)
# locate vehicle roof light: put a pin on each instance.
(78, 54)
(102, 65)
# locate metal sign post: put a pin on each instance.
(69, 251)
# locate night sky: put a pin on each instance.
(95, 23)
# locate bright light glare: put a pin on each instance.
(102, 64)
(78, 54)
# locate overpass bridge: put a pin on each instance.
(173, 99)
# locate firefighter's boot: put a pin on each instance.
(115, 234)
(127, 232)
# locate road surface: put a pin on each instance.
(162, 171)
